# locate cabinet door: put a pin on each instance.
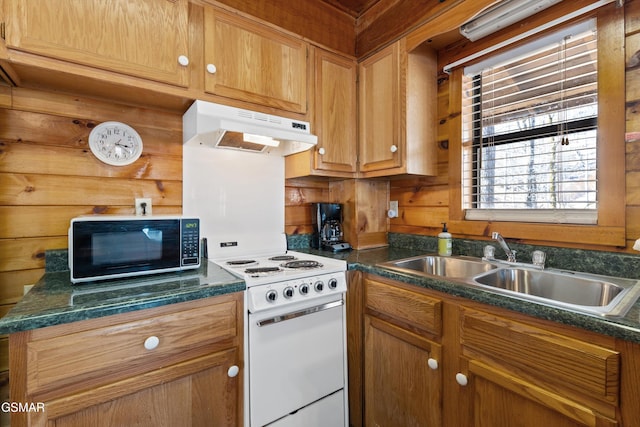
(113, 34)
(501, 400)
(517, 370)
(335, 113)
(380, 131)
(199, 392)
(400, 388)
(254, 63)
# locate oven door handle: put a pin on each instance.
(295, 314)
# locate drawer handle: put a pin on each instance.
(233, 371)
(462, 379)
(433, 363)
(151, 342)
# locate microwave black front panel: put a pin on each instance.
(105, 248)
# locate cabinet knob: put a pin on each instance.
(183, 60)
(211, 69)
(321, 151)
(394, 148)
(233, 371)
(461, 379)
(151, 342)
(433, 363)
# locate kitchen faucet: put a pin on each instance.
(511, 255)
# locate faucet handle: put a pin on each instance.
(489, 252)
(538, 258)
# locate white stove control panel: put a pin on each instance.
(291, 292)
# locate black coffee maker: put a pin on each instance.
(327, 227)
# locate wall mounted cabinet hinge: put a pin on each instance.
(2, 30)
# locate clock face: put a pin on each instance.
(115, 143)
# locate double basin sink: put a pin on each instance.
(582, 292)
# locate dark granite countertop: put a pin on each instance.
(54, 300)
(627, 328)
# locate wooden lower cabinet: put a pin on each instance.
(432, 359)
(189, 394)
(515, 370)
(401, 388)
(100, 372)
(402, 382)
(500, 400)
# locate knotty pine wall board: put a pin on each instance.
(48, 175)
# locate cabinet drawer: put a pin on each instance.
(414, 308)
(107, 353)
(560, 361)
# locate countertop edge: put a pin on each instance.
(21, 324)
(365, 261)
(605, 326)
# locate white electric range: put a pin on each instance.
(295, 370)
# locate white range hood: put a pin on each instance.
(220, 126)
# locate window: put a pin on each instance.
(530, 131)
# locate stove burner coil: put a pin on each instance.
(255, 272)
(282, 258)
(301, 264)
(241, 262)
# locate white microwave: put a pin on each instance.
(110, 246)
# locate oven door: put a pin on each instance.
(297, 360)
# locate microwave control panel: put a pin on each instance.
(190, 241)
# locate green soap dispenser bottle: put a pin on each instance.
(444, 241)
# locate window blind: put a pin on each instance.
(530, 131)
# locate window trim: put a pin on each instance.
(610, 229)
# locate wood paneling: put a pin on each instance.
(299, 194)
(48, 175)
(423, 203)
(315, 20)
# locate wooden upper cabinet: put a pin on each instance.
(334, 120)
(335, 112)
(380, 134)
(398, 115)
(144, 38)
(251, 62)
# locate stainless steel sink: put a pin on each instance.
(431, 265)
(582, 292)
(609, 296)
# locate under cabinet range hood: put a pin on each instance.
(221, 126)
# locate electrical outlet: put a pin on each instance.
(393, 209)
(143, 206)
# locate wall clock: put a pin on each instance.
(115, 143)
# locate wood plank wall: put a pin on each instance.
(299, 194)
(424, 202)
(48, 175)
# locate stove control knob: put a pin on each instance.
(333, 284)
(271, 296)
(288, 292)
(304, 289)
(319, 286)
